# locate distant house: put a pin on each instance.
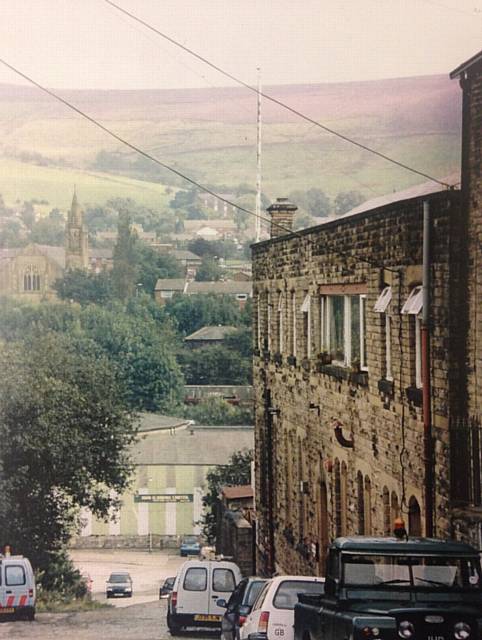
(166, 288)
(207, 336)
(189, 260)
(211, 229)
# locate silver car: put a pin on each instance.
(119, 584)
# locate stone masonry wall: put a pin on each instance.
(317, 480)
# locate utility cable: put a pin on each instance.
(275, 100)
(200, 186)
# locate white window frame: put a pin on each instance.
(293, 322)
(382, 305)
(280, 322)
(363, 355)
(418, 352)
(325, 311)
(388, 347)
(306, 308)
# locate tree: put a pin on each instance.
(48, 231)
(215, 365)
(84, 287)
(65, 436)
(347, 200)
(193, 312)
(236, 472)
(125, 271)
(314, 201)
(152, 265)
(208, 271)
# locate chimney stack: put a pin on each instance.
(282, 213)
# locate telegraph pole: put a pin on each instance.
(257, 228)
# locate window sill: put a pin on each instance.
(414, 395)
(334, 370)
(359, 378)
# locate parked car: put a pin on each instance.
(17, 587)
(119, 584)
(390, 588)
(198, 586)
(166, 588)
(272, 615)
(190, 546)
(239, 606)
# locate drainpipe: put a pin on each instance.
(426, 404)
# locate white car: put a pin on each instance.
(272, 616)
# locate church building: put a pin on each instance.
(30, 272)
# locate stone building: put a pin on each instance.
(344, 444)
(30, 272)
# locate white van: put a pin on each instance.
(17, 587)
(198, 585)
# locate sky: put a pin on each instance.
(83, 44)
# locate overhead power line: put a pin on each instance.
(147, 155)
(275, 100)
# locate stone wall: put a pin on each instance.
(341, 450)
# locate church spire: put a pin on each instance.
(76, 249)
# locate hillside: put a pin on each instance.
(211, 135)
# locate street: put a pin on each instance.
(142, 616)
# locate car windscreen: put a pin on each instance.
(119, 577)
(287, 593)
(418, 572)
(189, 540)
(253, 591)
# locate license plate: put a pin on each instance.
(207, 618)
(7, 610)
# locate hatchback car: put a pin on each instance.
(119, 584)
(166, 588)
(272, 614)
(190, 546)
(238, 606)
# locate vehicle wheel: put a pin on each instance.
(173, 628)
(30, 615)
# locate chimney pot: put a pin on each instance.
(282, 214)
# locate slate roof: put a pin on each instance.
(211, 333)
(170, 284)
(465, 66)
(228, 287)
(156, 422)
(182, 254)
(205, 446)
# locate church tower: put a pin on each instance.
(76, 247)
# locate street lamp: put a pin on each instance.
(138, 287)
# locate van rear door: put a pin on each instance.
(223, 583)
(16, 583)
(2, 590)
(193, 591)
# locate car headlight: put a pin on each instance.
(461, 630)
(406, 629)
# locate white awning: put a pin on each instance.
(414, 302)
(383, 300)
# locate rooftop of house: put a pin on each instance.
(196, 446)
(170, 284)
(227, 287)
(237, 492)
(465, 66)
(210, 333)
(183, 254)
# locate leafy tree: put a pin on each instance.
(215, 411)
(152, 265)
(215, 365)
(27, 214)
(65, 436)
(12, 234)
(208, 271)
(236, 472)
(125, 271)
(48, 231)
(193, 312)
(84, 287)
(240, 341)
(184, 198)
(347, 200)
(314, 201)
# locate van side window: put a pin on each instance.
(223, 580)
(14, 575)
(196, 579)
(258, 603)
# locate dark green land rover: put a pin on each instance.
(392, 589)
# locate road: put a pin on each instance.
(142, 617)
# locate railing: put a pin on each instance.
(466, 461)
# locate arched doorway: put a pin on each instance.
(414, 517)
(323, 525)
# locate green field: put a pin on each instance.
(22, 181)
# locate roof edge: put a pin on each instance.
(466, 65)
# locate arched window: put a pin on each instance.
(387, 514)
(368, 506)
(31, 279)
(414, 517)
(361, 503)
